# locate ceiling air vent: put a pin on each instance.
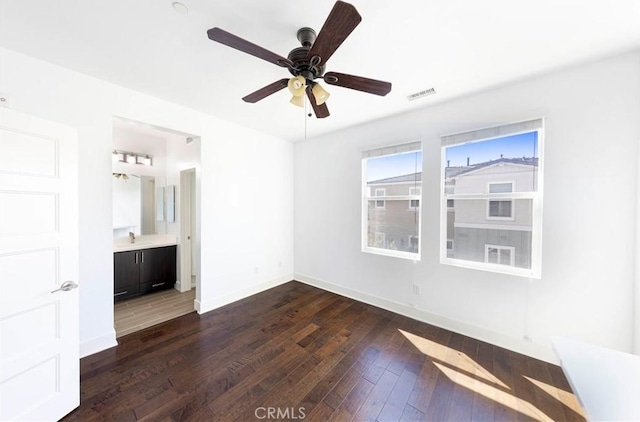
(421, 94)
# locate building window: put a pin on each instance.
(495, 254)
(494, 178)
(392, 178)
(379, 202)
(500, 209)
(414, 204)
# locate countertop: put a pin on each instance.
(124, 244)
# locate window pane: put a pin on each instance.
(507, 164)
(500, 187)
(393, 224)
(393, 228)
(492, 255)
(500, 209)
(505, 256)
(479, 238)
(395, 175)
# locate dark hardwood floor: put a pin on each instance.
(295, 352)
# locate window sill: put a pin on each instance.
(392, 253)
(493, 268)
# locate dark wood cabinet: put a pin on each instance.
(143, 271)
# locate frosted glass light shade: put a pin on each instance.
(297, 100)
(320, 94)
(296, 86)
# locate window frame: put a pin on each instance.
(366, 198)
(501, 131)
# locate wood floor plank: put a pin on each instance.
(372, 406)
(396, 402)
(348, 408)
(411, 414)
(297, 347)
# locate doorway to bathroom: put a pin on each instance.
(154, 201)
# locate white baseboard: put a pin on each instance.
(508, 342)
(98, 344)
(211, 304)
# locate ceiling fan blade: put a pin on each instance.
(233, 41)
(321, 111)
(372, 86)
(264, 92)
(342, 20)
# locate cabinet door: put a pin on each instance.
(126, 274)
(157, 268)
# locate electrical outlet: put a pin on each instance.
(256, 270)
(417, 290)
(5, 100)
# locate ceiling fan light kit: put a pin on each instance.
(320, 93)
(307, 63)
(297, 100)
(297, 85)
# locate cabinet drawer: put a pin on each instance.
(154, 287)
(126, 292)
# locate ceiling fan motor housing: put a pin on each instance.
(298, 56)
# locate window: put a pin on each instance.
(414, 204)
(392, 179)
(493, 177)
(379, 203)
(500, 209)
(503, 255)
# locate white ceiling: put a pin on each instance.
(455, 46)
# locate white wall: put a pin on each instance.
(590, 181)
(235, 164)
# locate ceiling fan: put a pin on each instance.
(307, 63)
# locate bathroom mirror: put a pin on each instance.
(135, 200)
(160, 203)
(170, 194)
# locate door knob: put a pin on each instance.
(66, 286)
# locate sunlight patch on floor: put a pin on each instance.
(493, 393)
(452, 357)
(564, 397)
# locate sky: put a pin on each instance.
(394, 165)
(516, 146)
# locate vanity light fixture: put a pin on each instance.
(133, 157)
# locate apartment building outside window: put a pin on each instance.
(391, 185)
(491, 201)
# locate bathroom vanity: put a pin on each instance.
(145, 266)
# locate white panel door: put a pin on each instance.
(39, 330)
